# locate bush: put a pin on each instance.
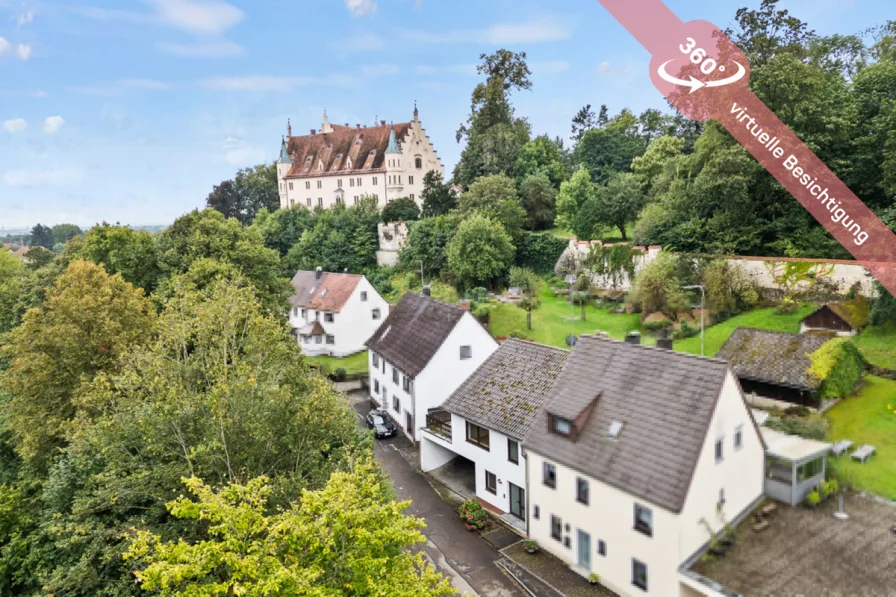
(787, 307)
(816, 429)
(656, 326)
(540, 252)
(473, 514)
(839, 365)
(830, 487)
(686, 331)
(339, 374)
(813, 498)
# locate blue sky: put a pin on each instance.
(131, 110)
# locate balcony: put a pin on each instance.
(439, 423)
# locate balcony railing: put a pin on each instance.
(439, 422)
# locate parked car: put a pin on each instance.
(381, 424)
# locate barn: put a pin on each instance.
(843, 318)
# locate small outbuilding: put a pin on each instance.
(793, 465)
(843, 318)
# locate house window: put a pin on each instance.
(339, 182)
(491, 482)
(376, 360)
(338, 199)
(359, 182)
(375, 313)
(643, 520)
(290, 186)
(320, 184)
(331, 339)
(549, 474)
(412, 197)
(466, 352)
(307, 184)
(418, 162)
(561, 426)
(556, 528)
(305, 313)
(328, 317)
(720, 449)
(601, 547)
(320, 201)
(639, 574)
(739, 437)
(581, 491)
(394, 375)
(396, 404)
(536, 512)
(376, 386)
(478, 436)
(318, 339)
(309, 201)
(374, 180)
(410, 180)
(363, 293)
(406, 384)
(513, 451)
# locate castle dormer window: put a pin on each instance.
(372, 152)
(308, 159)
(338, 156)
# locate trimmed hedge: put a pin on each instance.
(539, 251)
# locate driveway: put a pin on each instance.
(467, 559)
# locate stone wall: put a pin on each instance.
(392, 238)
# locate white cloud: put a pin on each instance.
(271, 83)
(539, 31)
(240, 153)
(212, 49)
(15, 125)
(200, 17)
(23, 52)
(121, 86)
(359, 8)
(41, 178)
(26, 18)
(608, 70)
(4, 46)
(52, 124)
(549, 68)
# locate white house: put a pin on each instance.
(334, 314)
(340, 164)
(637, 453)
(486, 418)
(420, 354)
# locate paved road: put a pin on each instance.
(462, 555)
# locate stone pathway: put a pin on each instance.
(553, 573)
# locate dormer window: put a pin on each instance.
(308, 159)
(372, 152)
(561, 426)
(338, 156)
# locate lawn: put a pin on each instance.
(766, 319)
(357, 363)
(868, 418)
(878, 346)
(551, 322)
(608, 235)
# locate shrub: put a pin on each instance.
(656, 326)
(809, 428)
(482, 311)
(339, 374)
(540, 252)
(813, 498)
(473, 514)
(839, 365)
(686, 331)
(830, 487)
(797, 411)
(787, 307)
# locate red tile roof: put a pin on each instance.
(327, 293)
(363, 149)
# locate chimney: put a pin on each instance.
(664, 343)
(633, 338)
(359, 126)
(382, 123)
(427, 291)
(313, 131)
(346, 125)
(318, 272)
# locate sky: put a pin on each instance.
(131, 111)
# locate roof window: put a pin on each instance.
(615, 429)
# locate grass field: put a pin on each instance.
(610, 235)
(766, 319)
(556, 319)
(357, 363)
(868, 418)
(878, 346)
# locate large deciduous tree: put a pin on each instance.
(495, 197)
(251, 190)
(481, 252)
(620, 201)
(577, 206)
(123, 250)
(426, 245)
(539, 198)
(403, 209)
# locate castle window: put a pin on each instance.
(359, 181)
(290, 186)
(418, 162)
(351, 182)
(412, 196)
(320, 201)
(320, 184)
(339, 183)
(309, 201)
(307, 184)
(410, 180)
(374, 180)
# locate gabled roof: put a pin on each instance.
(506, 391)
(327, 293)
(343, 151)
(772, 357)
(414, 330)
(856, 313)
(312, 329)
(664, 401)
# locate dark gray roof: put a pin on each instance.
(506, 391)
(772, 357)
(664, 399)
(415, 329)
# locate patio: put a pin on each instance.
(809, 552)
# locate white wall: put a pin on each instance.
(299, 194)
(740, 473)
(352, 326)
(494, 460)
(401, 168)
(610, 517)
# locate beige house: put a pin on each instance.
(636, 456)
(339, 164)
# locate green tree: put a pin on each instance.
(251, 190)
(403, 209)
(480, 252)
(620, 201)
(283, 228)
(123, 250)
(88, 320)
(577, 206)
(342, 237)
(37, 257)
(539, 198)
(42, 236)
(225, 199)
(62, 233)
(427, 243)
(541, 154)
(607, 151)
(582, 122)
(526, 280)
(651, 165)
(729, 289)
(495, 197)
(438, 198)
(348, 538)
(657, 287)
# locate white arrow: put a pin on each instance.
(694, 84)
(741, 71)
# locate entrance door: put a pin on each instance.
(410, 427)
(518, 501)
(584, 550)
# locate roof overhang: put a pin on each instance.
(792, 447)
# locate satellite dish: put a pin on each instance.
(571, 340)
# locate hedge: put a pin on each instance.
(539, 251)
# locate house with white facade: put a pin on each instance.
(334, 314)
(487, 417)
(636, 456)
(340, 164)
(420, 354)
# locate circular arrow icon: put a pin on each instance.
(696, 84)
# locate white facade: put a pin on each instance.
(436, 450)
(407, 400)
(401, 175)
(609, 515)
(347, 329)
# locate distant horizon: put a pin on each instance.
(27, 229)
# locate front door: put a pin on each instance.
(518, 501)
(410, 427)
(584, 541)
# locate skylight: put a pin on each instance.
(615, 429)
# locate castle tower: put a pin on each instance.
(284, 163)
(325, 127)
